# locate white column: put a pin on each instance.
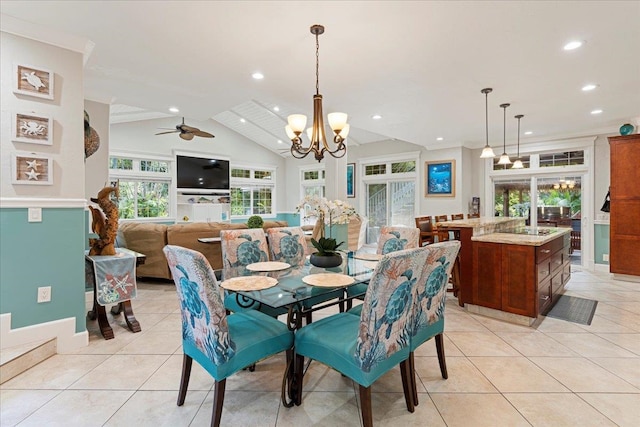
(335, 184)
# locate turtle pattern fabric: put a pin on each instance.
(394, 239)
(243, 247)
(287, 244)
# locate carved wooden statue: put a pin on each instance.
(104, 224)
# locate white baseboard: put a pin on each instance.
(64, 330)
(603, 268)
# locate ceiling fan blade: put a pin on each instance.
(170, 131)
(202, 133)
(188, 128)
(186, 136)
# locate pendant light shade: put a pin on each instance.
(504, 158)
(518, 163)
(487, 151)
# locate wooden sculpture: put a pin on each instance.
(104, 224)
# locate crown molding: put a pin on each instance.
(29, 30)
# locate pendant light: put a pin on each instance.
(518, 163)
(504, 158)
(487, 151)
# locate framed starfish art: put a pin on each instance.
(33, 81)
(31, 169)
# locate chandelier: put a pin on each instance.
(337, 122)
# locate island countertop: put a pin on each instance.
(528, 236)
(483, 225)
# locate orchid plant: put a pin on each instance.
(328, 211)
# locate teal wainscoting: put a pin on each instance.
(293, 219)
(601, 242)
(47, 253)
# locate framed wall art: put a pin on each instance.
(440, 178)
(32, 128)
(31, 169)
(351, 180)
(33, 81)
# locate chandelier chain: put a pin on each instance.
(317, 65)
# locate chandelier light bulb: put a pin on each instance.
(504, 158)
(487, 151)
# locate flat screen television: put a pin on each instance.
(201, 173)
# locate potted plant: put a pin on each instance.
(255, 221)
(327, 255)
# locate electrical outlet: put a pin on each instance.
(35, 214)
(44, 294)
(605, 257)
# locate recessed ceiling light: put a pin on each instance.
(276, 108)
(376, 117)
(439, 138)
(174, 110)
(528, 132)
(279, 141)
(242, 120)
(598, 111)
(588, 87)
(573, 45)
(257, 75)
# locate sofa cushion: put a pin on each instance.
(271, 224)
(148, 239)
(186, 235)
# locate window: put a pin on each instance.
(252, 191)
(526, 163)
(144, 186)
(567, 158)
(380, 169)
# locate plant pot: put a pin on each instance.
(325, 261)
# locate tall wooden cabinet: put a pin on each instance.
(624, 240)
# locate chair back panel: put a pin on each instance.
(397, 238)
(385, 320)
(424, 223)
(473, 215)
(441, 218)
(431, 290)
(243, 247)
(457, 216)
(287, 244)
(204, 320)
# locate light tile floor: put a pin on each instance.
(557, 374)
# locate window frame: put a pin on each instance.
(254, 183)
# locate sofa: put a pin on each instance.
(150, 238)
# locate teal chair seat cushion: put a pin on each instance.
(255, 336)
(332, 341)
(426, 332)
(357, 289)
(356, 310)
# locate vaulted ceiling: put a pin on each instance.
(419, 65)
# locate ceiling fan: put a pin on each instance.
(187, 132)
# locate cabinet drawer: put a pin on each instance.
(544, 296)
(556, 261)
(556, 285)
(544, 270)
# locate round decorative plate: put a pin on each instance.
(268, 266)
(328, 280)
(368, 256)
(249, 283)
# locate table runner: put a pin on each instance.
(114, 277)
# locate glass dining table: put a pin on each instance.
(294, 295)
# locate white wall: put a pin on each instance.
(139, 137)
(65, 110)
(97, 165)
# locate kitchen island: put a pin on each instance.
(519, 274)
(464, 230)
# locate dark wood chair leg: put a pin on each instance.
(365, 404)
(412, 376)
(103, 322)
(184, 379)
(349, 304)
(407, 384)
(441, 359)
(218, 400)
(299, 378)
(309, 317)
(129, 317)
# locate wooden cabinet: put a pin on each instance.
(624, 239)
(520, 279)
